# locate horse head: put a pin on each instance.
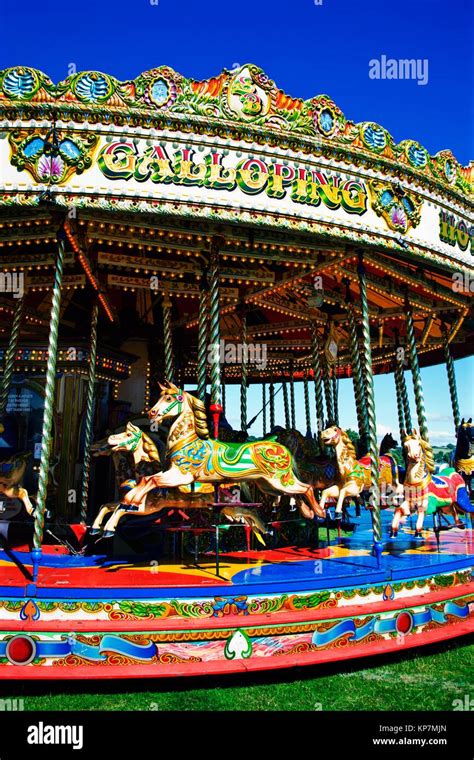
(127, 440)
(331, 435)
(412, 445)
(169, 404)
(388, 442)
(465, 439)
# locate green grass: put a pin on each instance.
(429, 679)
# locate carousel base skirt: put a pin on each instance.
(112, 617)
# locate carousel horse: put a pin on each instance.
(388, 443)
(353, 476)
(317, 469)
(194, 456)
(145, 453)
(464, 452)
(426, 492)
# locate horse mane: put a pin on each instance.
(348, 444)
(200, 416)
(149, 447)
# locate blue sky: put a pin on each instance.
(307, 48)
(436, 393)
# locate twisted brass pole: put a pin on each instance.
(357, 379)
(370, 400)
(215, 335)
(46, 441)
(168, 340)
(10, 355)
(399, 393)
(334, 396)
(90, 407)
(318, 388)
(243, 376)
(202, 343)
(404, 395)
(453, 391)
(264, 408)
(223, 388)
(415, 371)
(328, 391)
(306, 406)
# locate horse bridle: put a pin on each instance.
(179, 402)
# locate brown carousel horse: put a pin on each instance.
(464, 452)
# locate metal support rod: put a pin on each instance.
(292, 399)
(307, 407)
(215, 335)
(202, 343)
(370, 396)
(334, 396)
(264, 409)
(272, 405)
(223, 388)
(90, 408)
(48, 405)
(286, 406)
(453, 391)
(415, 371)
(243, 375)
(168, 340)
(357, 379)
(328, 391)
(400, 410)
(318, 388)
(10, 355)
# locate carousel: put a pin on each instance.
(162, 240)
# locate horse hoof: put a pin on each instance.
(460, 525)
(338, 515)
(418, 534)
(393, 533)
(108, 534)
(94, 531)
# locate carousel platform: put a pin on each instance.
(110, 617)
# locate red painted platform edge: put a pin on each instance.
(445, 633)
(239, 621)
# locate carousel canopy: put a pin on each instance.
(150, 173)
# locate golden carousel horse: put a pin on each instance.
(428, 493)
(145, 453)
(195, 457)
(353, 475)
